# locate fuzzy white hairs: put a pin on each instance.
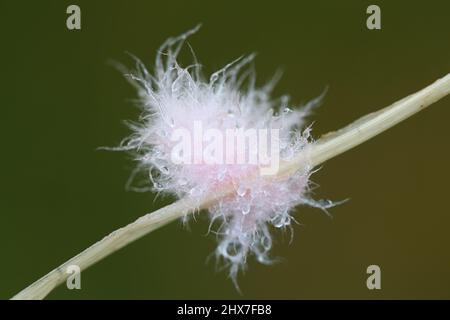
(245, 206)
(178, 99)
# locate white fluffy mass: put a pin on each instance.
(173, 96)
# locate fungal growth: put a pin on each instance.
(179, 143)
(197, 135)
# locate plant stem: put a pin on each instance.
(325, 148)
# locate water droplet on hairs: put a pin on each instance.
(158, 186)
(230, 114)
(246, 208)
(233, 250)
(164, 169)
(266, 242)
(287, 220)
(279, 221)
(241, 191)
(182, 85)
(196, 191)
(213, 78)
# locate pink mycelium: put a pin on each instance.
(175, 97)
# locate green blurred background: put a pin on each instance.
(61, 100)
